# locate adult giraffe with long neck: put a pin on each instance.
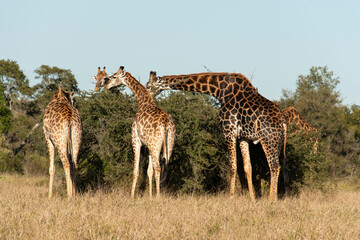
(152, 126)
(244, 114)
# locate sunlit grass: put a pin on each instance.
(27, 213)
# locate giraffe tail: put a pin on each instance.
(285, 172)
(73, 166)
(165, 155)
(70, 149)
(285, 138)
(166, 147)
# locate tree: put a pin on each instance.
(318, 102)
(5, 113)
(200, 161)
(106, 154)
(51, 78)
(14, 82)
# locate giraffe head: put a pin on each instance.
(100, 78)
(155, 85)
(116, 79)
(70, 96)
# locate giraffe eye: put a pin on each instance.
(106, 80)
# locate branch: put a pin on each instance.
(18, 149)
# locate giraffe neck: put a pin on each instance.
(292, 116)
(142, 96)
(217, 85)
(60, 96)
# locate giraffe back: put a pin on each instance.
(60, 115)
(244, 111)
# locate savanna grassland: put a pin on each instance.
(27, 213)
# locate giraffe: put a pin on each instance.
(152, 127)
(63, 130)
(244, 114)
(293, 117)
(101, 75)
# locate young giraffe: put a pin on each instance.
(152, 127)
(244, 115)
(292, 117)
(297, 123)
(63, 130)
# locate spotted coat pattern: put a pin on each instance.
(244, 114)
(152, 126)
(63, 130)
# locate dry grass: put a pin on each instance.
(26, 213)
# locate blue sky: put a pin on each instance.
(271, 42)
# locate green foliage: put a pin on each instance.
(28, 110)
(352, 119)
(51, 79)
(106, 152)
(200, 160)
(10, 164)
(319, 103)
(13, 79)
(5, 113)
(107, 155)
(15, 84)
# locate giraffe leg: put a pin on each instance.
(272, 156)
(136, 143)
(150, 172)
(170, 140)
(67, 169)
(231, 144)
(274, 171)
(51, 149)
(76, 141)
(156, 166)
(244, 146)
